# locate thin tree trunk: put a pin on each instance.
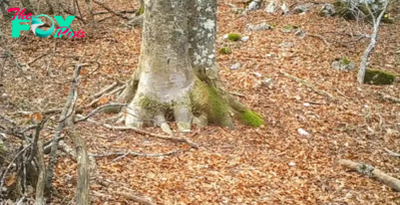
(371, 46)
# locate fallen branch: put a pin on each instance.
(320, 37)
(136, 154)
(164, 137)
(109, 9)
(37, 58)
(68, 108)
(98, 109)
(389, 98)
(372, 172)
(105, 95)
(122, 12)
(308, 84)
(135, 198)
(394, 154)
(106, 90)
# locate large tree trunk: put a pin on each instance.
(166, 76)
(177, 72)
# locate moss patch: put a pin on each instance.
(234, 37)
(289, 28)
(345, 61)
(378, 77)
(251, 118)
(207, 100)
(150, 104)
(225, 50)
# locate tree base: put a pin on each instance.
(203, 104)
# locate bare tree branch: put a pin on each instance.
(98, 109)
(109, 9)
(372, 172)
(61, 124)
(394, 154)
(371, 46)
(136, 154)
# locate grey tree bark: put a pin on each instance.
(166, 76)
(371, 46)
(177, 74)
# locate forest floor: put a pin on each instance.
(269, 165)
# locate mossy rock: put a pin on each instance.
(378, 77)
(234, 37)
(345, 61)
(289, 28)
(225, 50)
(251, 118)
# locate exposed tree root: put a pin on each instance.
(163, 137)
(372, 172)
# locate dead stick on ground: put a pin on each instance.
(308, 84)
(105, 95)
(135, 198)
(164, 137)
(109, 9)
(320, 37)
(372, 172)
(98, 109)
(389, 98)
(136, 154)
(393, 154)
(105, 90)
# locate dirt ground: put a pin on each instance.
(269, 165)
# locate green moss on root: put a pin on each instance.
(378, 77)
(140, 11)
(234, 37)
(150, 104)
(207, 100)
(225, 50)
(251, 118)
